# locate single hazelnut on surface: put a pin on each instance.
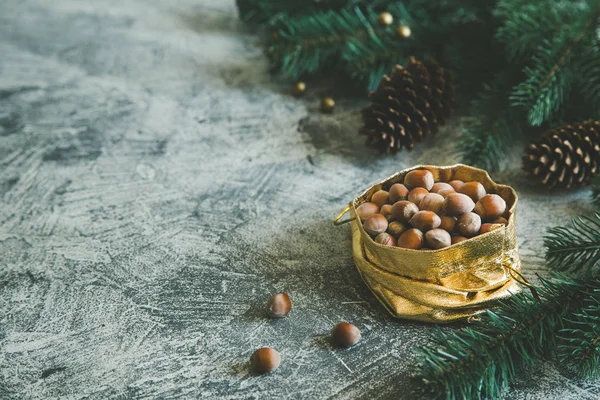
(279, 305)
(375, 224)
(490, 207)
(417, 194)
(458, 239)
(456, 184)
(457, 204)
(365, 210)
(487, 227)
(385, 239)
(425, 220)
(411, 239)
(439, 186)
(398, 192)
(500, 220)
(448, 223)
(380, 198)
(474, 190)
(397, 228)
(437, 239)
(403, 210)
(468, 224)
(345, 334)
(265, 360)
(432, 202)
(386, 211)
(419, 178)
(445, 192)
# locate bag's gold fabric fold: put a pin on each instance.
(440, 285)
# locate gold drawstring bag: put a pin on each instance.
(445, 285)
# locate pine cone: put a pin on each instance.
(566, 156)
(408, 106)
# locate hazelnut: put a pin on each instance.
(345, 334)
(417, 194)
(469, 224)
(456, 204)
(279, 305)
(385, 239)
(437, 239)
(419, 178)
(265, 360)
(439, 186)
(397, 192)
(448, 223)
(474, 190)
(403, 211)
(490, 207)
(380, 198)
(386, 211)
(487, 227)
(397, 228)
(411, 239)
(458, 239)
(500, 220)
(425, 220)
(365, 210)
(375, 224)
(432, 202)
(445, 192)
(456, 184)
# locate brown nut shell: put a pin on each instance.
(425, 220)
(386, 211)
(440, 186)
(279, 305)
(380, 198)
(375, 224)
(457, 204)
(265, 360)
(396, 228)
(490, 207)
(417, 194)
(385, 239)
(445, 192)
(432, 202)
(345, 334)
(469, 224)
(437, 239)
(411, 239)
(398, 192)
(488, 227)
(458, 239)
(448, 223)
(500, 220)
(419, 178)
(403, 210)
(456, 184)
(365, 210)
(474, 190)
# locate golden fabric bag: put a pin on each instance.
(445, 285)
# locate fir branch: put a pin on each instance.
(262, 11)
(596, 192)
(575, 248)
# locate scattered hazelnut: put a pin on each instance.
(380, 198)
(490, 207)
(448, 223)
(458, 239)
(411, 239)
(419, 178)
(403, 211)
(397, 192)
(445, 192)
(474, 190)
(500, 220)
(487, 227)
(397, 228)
(456, 184)
(439, 186)
(469, 224)
(365, 210)
(385, 239)
(432, 202)
(425, 220)
(386, 211)
(456, 204)
(417, 194)
(265, 360)
(345, 334)
(375, 224)
(279, 305)
(437, 239)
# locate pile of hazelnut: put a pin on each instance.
(424, 215)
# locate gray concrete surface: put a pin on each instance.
(157, 185)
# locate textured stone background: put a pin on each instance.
(157, 185)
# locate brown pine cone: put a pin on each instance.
(408, 106)
(566, 156)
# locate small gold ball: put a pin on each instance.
(385, 18)
(298, 89)
(403, 31)
(327, 104)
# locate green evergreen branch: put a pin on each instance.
(575, 248)
(262, 11)
(596, 192)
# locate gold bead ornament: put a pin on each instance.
(298, 89)
(385, 19)
(327, 104)
(403, 31)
